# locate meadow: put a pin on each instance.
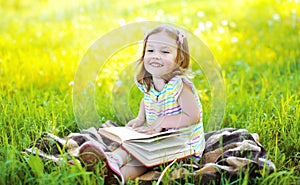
(256, 43)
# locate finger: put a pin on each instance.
(137, 129)
(130, 124)
(149, 132)
(141, 130)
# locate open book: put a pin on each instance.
(150, 150)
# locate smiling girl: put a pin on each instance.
(170, 99)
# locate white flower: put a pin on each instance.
(200, 14)
(234, 39)
(224, 23)
(276, 17)
(208, 24)
(201, 26)
(122, 22)
(221, 29)
(197, 31)
(71, 83)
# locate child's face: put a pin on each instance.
(160, 54)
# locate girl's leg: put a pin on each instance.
(123, 155)
(132, 169)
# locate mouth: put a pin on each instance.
(155, 64)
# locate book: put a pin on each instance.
(150, 149)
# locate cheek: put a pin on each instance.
(171, 65)
(146, 63)
(146, 60)
(147, 57)
(170, 62)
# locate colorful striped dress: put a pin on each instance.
(165, 103)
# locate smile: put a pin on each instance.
(155, 64)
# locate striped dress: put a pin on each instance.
(165, 103)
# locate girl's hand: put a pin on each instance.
(135, 123)
(148, 129)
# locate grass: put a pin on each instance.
(41, 44)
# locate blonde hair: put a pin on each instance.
(182, 58)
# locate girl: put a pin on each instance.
(170, 99)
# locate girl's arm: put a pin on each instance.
(189, 116)
(190, 111)
(140, 119)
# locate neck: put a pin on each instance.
(159, 83)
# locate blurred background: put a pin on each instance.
(256, 43)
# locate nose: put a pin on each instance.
(156, 56)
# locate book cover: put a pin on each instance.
(150, 149)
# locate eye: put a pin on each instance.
(150, 50)
(165, 51)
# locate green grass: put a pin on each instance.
(41, 43)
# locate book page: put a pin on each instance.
(154, 138)
(123, 133)
(150, 159)
(159, 153)
(159, 144)
(126, 133)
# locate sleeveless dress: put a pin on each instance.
(165, 103)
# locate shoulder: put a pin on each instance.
(141, 87)
(180, 82)
(174, 86)
(187, 88)
(186, 92)
(177, 85)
